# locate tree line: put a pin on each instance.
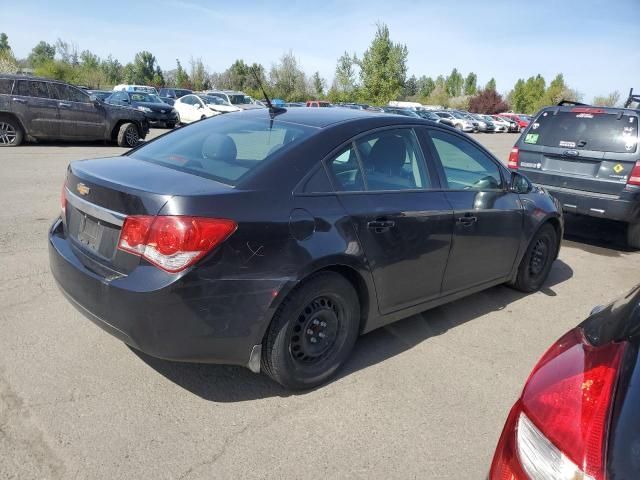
(375, 77)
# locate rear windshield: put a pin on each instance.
(602, 132)
(224, 148)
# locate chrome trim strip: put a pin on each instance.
(101, 213)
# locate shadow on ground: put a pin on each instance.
(235, 384)
(596, 235)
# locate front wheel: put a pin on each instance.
(633, 235)
(128, 135)
(312, 333)
(459, 126)
(536, 263)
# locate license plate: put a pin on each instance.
(90, 233)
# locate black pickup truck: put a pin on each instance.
(33, 108)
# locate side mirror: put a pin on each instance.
(520, 183)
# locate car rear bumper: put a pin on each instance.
(187, 318)
(597, 205)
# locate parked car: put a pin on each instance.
(578, 416)
(41, 109)
(588, 158)
(238, 99)
(295, 104)
(174, 93)
(522, 120)
(484, 125)
(191, 108)
(101, 95)
(272, 239)
(135, 88)
(401, 111)
(429, 115)
(155, 110)
(500, 126)
(459, 122)
(317, 103)
(509, 125)
(168, 101)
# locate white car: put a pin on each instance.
(191, 108)
(501, 125)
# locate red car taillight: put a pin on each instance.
(558, 427)
(514, 158)
(173, 243)
(634, 176)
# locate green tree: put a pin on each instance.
(41, 53)
(411, 87)
(112, 70)
(344, 88)
(383, 68)
(491, 85)
(535, 88)
(143, 70)
(182, 79)
(89, 60)
(439, 96)
(288, 81)
(454, 83)
(4, 43)
(471, 84)
(517, 97)
(318, 84)
(425, 86)
(199, 75)
(611, 100)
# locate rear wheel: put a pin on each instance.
(11, 133)
(536, 263)
(312, 333)
(128, 135)
(633, 235)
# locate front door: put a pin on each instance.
(32, 103)
(488, 217)
(404, 227)
(80, 117)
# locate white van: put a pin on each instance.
(135, 88)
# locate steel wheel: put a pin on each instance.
(8, 134)
(539, 257)
(316, 331)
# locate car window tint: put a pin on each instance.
(584, 130)
(59, 91)
(77, 95)
(466, 167)
(345, 170)
(38, 89)
(21, 88)
(5, 86)
(392, 160)
(318, 182)
(224, 150)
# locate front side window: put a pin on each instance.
(466, 167)
(76, 95)
(392, 160)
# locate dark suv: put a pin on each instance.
(588, 158)
(38, 108)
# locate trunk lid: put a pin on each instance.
(102, 192)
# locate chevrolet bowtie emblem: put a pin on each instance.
(82, 189)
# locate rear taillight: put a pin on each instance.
(63, 198)
(514, 158)
(558, 427)
(173, 243)
(634, 176)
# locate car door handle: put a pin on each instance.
(381, 226)
(467, 220)
(19, 100)
(64, 105)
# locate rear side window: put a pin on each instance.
(583, 130)
(39, 89)
(223, 148)
(5, 86)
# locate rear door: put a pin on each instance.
(403, 223)
(32, 103)
(488, 217)
(585, 148)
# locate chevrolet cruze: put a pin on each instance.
(273, 238)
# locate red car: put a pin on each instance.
(522, 120)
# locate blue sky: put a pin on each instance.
(595, 43)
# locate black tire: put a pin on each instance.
(203, 117)
(11, 133)
(128, 135)
(633, 235)
(537, 261)
(324, 308)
